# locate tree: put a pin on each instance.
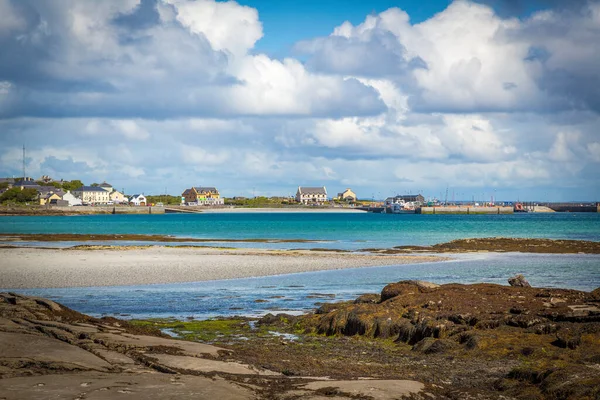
(4, 185)
(95, 184)
(72, 185)
(19, 196)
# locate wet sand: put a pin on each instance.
(22, 268)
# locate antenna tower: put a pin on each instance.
(446, 201)
(23, 162)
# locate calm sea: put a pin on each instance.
(296, 293)
(334, 230)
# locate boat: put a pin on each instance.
(519, 207)
(400, 207)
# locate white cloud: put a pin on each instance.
(129, 129)
(227, 25)
(562, 149)
(466, 58)
(200, 157)
(594, 151)
(11, 20)
(194, 59)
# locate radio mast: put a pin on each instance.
(23, 162)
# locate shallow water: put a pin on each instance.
(298, 293)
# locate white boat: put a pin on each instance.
(400, 207)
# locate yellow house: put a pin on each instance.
(48, 198)
(203, 195)
(347, 195)
(117, 197)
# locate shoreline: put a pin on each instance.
(278, 210)
(34, 268)
(491, 244)
(29, 211)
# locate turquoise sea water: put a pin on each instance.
(335, 230)
(302, 292)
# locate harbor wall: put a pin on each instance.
(109, 210)
(465, 210)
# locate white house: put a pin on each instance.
(138, 200)
(311, 195)
(72, 200)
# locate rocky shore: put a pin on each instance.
(413, 340)
(49, 351)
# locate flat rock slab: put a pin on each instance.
(15, 347)
(375, 389)
(94, 386)
(189, 348)
(203, 365)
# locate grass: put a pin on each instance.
(200, 331)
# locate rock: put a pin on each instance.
(546, 329)
(387, 327)
(463, 319)
(405, 287)
(567, 339)
(595, 294)
(524, 321)
(369, 298)
(518, 281)
(434, 346)
(49, 304)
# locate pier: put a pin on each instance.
(465, 210)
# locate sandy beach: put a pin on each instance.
(53, 268)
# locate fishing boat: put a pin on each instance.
(400, 207)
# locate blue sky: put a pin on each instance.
(288, 22)
(258, 97)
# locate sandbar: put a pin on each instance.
(22, 268)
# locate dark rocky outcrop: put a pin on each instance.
(518, 281)
(406, 287)
(369, 298)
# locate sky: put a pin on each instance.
(483, 98)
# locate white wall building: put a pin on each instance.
(92, 195)
(311, 195)
(138, 200)
(72, 200)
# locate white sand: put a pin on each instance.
(47, 268)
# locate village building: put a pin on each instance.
(49, 198)
(9, 182)
(49, 194)
(92, 195)
(69, 200)
(138, 200)
(347, 195)
(106, 186)
(45, 179)
(28, 183)
(311, 195)
(202, 195)
(414, 199)
(117, 197)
